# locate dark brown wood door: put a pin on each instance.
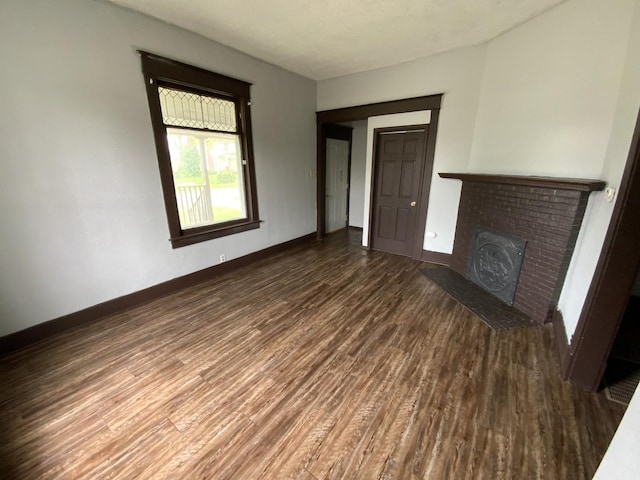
(399, 168)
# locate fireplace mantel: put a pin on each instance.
(577, 184)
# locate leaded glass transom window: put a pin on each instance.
(185, 109)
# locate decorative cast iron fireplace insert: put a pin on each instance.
(494, 262)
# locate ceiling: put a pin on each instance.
(326, 38)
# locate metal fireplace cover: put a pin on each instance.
(494, 262)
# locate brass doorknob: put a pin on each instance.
(413, 204)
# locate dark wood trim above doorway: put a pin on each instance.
(362, 112)
(612, 281)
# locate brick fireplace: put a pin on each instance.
(545, 212)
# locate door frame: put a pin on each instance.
(423, 190)
(339, 132)
(362, 112)
(612, 282)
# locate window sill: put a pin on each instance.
(217, 232)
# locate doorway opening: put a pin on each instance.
(337, 176)
(325, 120)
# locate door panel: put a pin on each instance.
(402, 225)
(399, 167)
(386, 187)
(406, 180)
(336, 184)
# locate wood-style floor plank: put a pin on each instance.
(323, 362)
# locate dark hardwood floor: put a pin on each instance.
(325, 361)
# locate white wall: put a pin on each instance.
(81, 204)
(357, 179)
(458, 75)
(621, 460)
(382, 121)
(549, 91)
(599, 212)
(548, 107)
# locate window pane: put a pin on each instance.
(208, 177)
(184, 109)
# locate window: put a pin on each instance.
(202, 127)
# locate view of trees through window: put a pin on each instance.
(207, 174)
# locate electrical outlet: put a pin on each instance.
(223, 258)
(610, 194)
